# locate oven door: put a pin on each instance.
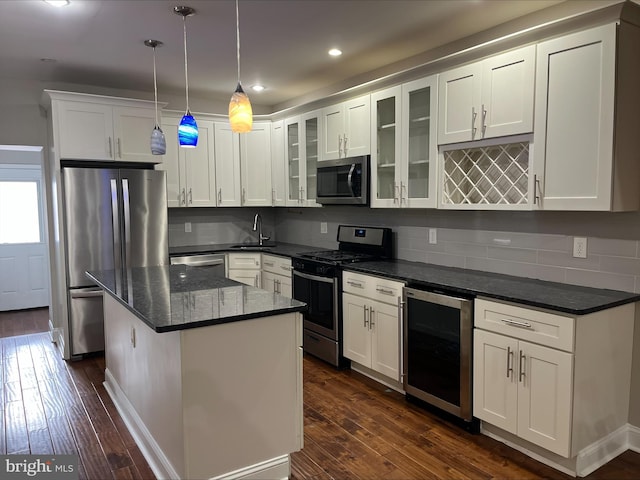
(320, 294)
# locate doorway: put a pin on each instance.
(24, 263)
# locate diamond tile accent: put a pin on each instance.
(492, 175)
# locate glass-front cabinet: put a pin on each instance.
(404, 157)
(302, 140)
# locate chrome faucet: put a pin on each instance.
(257, 227)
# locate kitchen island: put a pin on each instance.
(206, 372)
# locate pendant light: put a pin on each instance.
(240, 113)
(188, 129)
(158, 142)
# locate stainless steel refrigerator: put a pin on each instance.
(114, 219)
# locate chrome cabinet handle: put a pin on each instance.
(244, 196)
(386, 291)
(474, 114)
(219, 196)
(285, 267)
(339, 145)
(484, 120)
(119, 149)
(190, 196)
(366, 322)
(268, 264)
(515, 323)
(521, 365)
(536, 189)
(371, 315)
(355, 284)
(184, 197)
(300, 195)
(344, 141)
(110, 148)
(509, 361)
(396, 191)
(403, 187)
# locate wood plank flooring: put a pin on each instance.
(354, 427)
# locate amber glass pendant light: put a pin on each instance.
(188, 128)
(158, 142)
(240, 112)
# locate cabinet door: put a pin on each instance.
(507, 93)
(227, 166)
(575, 85)
(284, 287)
(357, 337)
(132, 130)
(458, 93)
(200, 173)
(173, 164)
(295, 166)
(418, 177)
(269, 282)
(248, 277)
(545, 396)
(495, 380)
(357, 127)
(310, 134)
(255, 165)
(333, 127)
(386, 153)
(278, 165)
(85, 131)
(385, 339)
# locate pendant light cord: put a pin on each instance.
(238, 40)
(155, 84)
(186, 75)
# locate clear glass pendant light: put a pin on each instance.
(158, 142)
(240, 112)
(188, 128)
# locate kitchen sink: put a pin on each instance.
(253, 246)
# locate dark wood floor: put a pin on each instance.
(354, 427)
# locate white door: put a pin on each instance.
(24, 264)
(227, 160)
(255, 165)
(132, 129)
(357, 127)
(333, 126)
(173, 165)
(85, 131)
(385, 339)
(199, 169)
(278, 165)
(357, 338)
(458, 93)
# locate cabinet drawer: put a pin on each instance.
(276, 264)
(380, 289)
(243, 260)
(544, 328)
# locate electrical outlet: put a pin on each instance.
(433, 236)
(580, 247)
(323, 227)
(187, 227)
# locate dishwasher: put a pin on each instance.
(438, 341)
(213, 262)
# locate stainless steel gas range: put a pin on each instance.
(317, 281)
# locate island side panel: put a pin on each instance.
(146, 367)
(242, 393)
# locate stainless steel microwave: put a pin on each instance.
(344, 181)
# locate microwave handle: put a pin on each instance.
(350, 179)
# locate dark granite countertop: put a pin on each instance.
(178, 297)
(561, 297)
(281, 249)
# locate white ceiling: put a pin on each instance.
(284, 43)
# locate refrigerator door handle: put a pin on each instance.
(115, 215)
(127, 223)
(86, 293)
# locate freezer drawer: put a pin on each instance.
(87, 320)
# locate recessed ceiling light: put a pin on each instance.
(335, 52)
(257, 88)
(57, 3)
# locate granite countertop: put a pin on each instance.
(560, 297)
(177, 297)
(282, 249)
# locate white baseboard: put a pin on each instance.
(277, 468)
(159, 463)
(634, 438)
(603, 451)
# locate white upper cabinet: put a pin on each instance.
(302, 139)
(404, 157)
(227, 161)
(190, 172)
(346, 129)
(278, 165)
(255, 165)
(489, 98)
(91, 129)
(587, 120)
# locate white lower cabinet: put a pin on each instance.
(553, 380)
(276, 275)
(244, 268)
(371, 323)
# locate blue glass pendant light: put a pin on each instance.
(188, 128)
(158, 142)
